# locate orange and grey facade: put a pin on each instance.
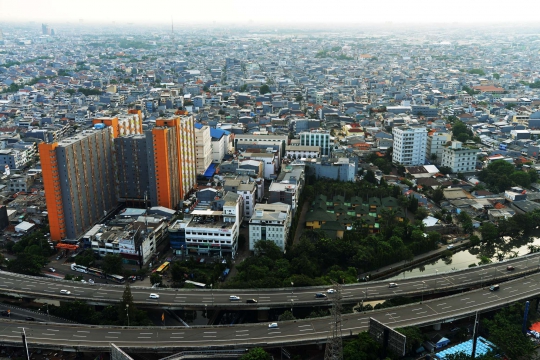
(87, 175)
(79, 180)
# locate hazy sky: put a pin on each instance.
(269, 11)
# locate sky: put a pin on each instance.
(269, 11)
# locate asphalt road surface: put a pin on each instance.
(445, 309)
(11, 283)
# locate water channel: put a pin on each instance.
(462, 259)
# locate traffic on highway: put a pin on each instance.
(441, 310)
(19, 285)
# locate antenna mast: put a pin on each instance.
(334, 345)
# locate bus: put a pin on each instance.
(116, 278)
(162, 268)
(96, 272)
(197, 284)
(78, 268)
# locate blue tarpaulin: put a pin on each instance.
(210, 171)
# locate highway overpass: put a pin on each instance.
(309, 331)
(175, 299)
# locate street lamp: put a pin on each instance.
(292, 289)
(292, 306)
(127, 313)
(436, 277)
(423, 289)
(212, 290)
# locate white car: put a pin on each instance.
(272, 325)
(331, 291)
(91, 281)
(154, 296)
(83, 281)
(234, 298)
(65, 292)
(392, 285)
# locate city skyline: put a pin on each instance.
(280, 13)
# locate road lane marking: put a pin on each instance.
(441, 304)
(210, 332)
(111, 337)
(177, 337)
(248, 330)
(144, 337)
(180, 333)
(47, 334)
(81, 336)
(52, 330)
(300, 326)
(83, 331)
(242, 334)
(146, 333)
(114, 332)
(468, 302)
(209, 336)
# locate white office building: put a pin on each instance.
(409, 145)
(270, 222)
(459, 158)
(319, 138)
(203, 149)
(436, 144)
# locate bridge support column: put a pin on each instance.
(437, 326)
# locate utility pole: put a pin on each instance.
(334, 345)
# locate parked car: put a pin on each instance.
(272, 325)
(154, 296)
(234, 298)
(392, 285)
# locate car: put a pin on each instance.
(251, 301)
(65, 292)
(59, 257)
(91, 281)
(320, 295)
(4, 313)
(494, 288)
(392, 285)
(52, 269)
(154, 296)
(83, 281)
(450, 247)
(29, 318)
(272, 325)
(510, 268)
(234, 298)
(331, 291)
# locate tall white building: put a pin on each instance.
(203, 149)
(409, 145)
(270, 222)
(459, 158)
(320, 138)
(435, 145)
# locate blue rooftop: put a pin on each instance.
(482, 347)
(210, 171)
(214, 133)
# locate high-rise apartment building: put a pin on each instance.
(203, 149)
(79, 181)
(173, 169)
(409, 145)
(133, 154)
(123, 125)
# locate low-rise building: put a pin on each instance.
(270, 222)
(459, 158)
(302, 152)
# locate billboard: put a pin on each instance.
(388, 337)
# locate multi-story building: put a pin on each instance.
(79, 180)
(320, 138)
(133, 153)
(409, 145)
(245, 187)
(14, 158)
(212, 228)
(203, 149)
(172, 172)
(123, 125)
(276, 142)
(435, 145)
(459, 158)
(302, 152)
(270, 222)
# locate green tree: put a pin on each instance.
(28, 264)
(264, 89)
(112, 264)
(364, 347)
(489, 232)
(415, 338)
(496, 76)
(437, 195)
(256, 354)
(155, 279)
(370, 177)
(287, 315)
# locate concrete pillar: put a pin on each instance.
(437, 326)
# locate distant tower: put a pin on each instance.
(334, 345)
(45, 29)
(172, 31)
(53, 32)
(1, 36)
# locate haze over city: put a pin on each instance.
(275, 12)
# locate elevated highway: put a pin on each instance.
(174, 299)
(309, 331)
